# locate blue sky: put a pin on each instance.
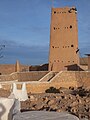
(25, 29)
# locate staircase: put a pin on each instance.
(48, 77)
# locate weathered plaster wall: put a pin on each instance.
(63, 39)
(31, 76)
(82, 78)
(23, 76)
(10, 68)
(7, 68)
(64, 79)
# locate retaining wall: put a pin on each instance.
(31, 76)
(62, 79)
(23, 76)
(82, 77)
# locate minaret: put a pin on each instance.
(17, 66)
(63, 39)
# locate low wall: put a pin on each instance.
(9, 77)
(63, 79)
(10, 68)
(82, 77)
(39, 87)
(23, 76)
(7, 68)
(31, 76)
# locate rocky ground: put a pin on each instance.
(74, 101)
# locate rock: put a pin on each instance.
(53, 107)
(75, 103)
(87, 100)
(32, 98)
(46, 100)
(50, 102)
(74, 110)
(42, 115)
(39, 107)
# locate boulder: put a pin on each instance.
(43, 115)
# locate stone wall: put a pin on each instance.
(31, 76)
(82, 78)
(10, 68)
(9, 77)
(7, 68)
(41, 87)
(63, 79)
(23, 76)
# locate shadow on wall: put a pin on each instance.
(2, 110)
(74, 67)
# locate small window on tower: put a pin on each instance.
(54, 12)
(70, 26)
(52, 46)
(54, 28)
(72, 45)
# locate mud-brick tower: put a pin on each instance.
(63, 39)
